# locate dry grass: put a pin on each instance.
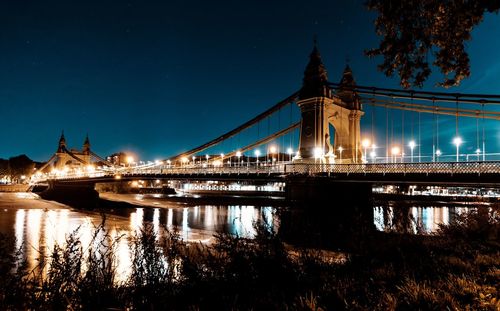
(459, 270)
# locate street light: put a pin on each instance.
(318, 153)
(272, 150)
(394, 151)
(194, 160)
(257, 154)
(340, 153)
(207, 157)
(365, 143)
(457, 141)
(290, 152)
(238, 155)
(373, 154)
(412, 146)
(478, 152)
(129, 160)
(438, 154)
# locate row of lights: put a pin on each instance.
(395, 150)
(272, 150)
(319, 152)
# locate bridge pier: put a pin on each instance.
(327, 212)
(78, 194)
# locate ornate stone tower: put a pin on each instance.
(345, 117)
(62, 143)
(314, 96)
(86, 146)
(320, 108)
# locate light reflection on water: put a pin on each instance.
(37, 231)
(414, 219)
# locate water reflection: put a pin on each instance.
(37, 231)
(414, 219)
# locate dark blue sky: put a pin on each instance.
(160, 77)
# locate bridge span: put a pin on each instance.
(432, 173)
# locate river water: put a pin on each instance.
(38, 225)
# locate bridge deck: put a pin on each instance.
(436, 173)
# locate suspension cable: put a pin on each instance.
(477, 135)
(373, 122)
(456, 120)
(419, 140)
(484, 143)
(402, 134)
(386, 134)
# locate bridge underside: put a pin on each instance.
(77, 194)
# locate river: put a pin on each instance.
(38, 225)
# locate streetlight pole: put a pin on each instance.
(290, 152)
(412, 146)
(394, 151)
(257, 154)
(457, 141)
(272, 151)
(238, 155)
(366, 144)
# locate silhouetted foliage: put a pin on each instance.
(415, 33)
(17, 166)
(397, 272)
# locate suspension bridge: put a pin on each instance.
(318, 132)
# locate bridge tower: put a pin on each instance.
(320, 108)
(66, 159)
(86, 146)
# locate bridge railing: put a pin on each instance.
(396, 168)
(200, 170)
(449, 168)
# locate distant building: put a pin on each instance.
(118, 158)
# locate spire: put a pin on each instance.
(86, 145)
(346, 90)
(315, 82)
(62, 143)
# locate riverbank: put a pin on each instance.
(191, 200)
(436, 199)
(27, 200)
(14, 188)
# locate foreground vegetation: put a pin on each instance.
(456, 270)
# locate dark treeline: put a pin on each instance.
(17, 166)
(459, 269)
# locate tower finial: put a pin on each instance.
(315, 81)
(86, 145)
(315, 41)
(62, 143)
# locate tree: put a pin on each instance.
(19, 166)
(414, 31)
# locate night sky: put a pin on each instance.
(160, 77)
